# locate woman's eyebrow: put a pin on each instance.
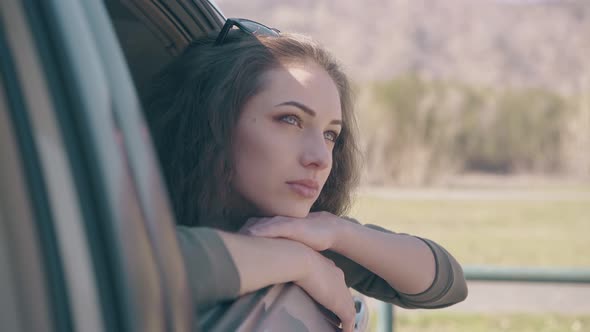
(305, 109)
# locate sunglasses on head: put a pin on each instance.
(247, 26)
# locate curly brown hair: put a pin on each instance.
(193, 107)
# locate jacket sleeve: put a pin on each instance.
(449, 286)
(212, 274)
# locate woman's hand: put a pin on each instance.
(262, 262)
(317, 275)
(324, 282)
(317, 230)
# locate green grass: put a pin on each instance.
(491, 232)
(447, 322)
(518, 232)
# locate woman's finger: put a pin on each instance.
(346, 311)
(274, 229)
(253, 222)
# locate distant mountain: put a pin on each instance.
(488, 42)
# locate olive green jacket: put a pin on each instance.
(213, 276)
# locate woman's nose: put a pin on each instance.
(316, 153)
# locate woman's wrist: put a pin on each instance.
(303, 258)
(262, 262)
(343, 231)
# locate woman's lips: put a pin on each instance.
(305, 188)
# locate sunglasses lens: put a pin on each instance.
(258, 29)
(247, 26)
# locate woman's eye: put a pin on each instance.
(292, 120)
(331, 135)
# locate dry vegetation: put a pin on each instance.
(453, 86)
(417, 131)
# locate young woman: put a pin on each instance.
(254, 130)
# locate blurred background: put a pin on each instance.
(474, 120)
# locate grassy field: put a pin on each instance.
(438, 322)
(497, 231)
(491, 232)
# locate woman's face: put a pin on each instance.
(284, 139)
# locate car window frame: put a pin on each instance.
(144, 171)
(128, 281)
(134, 282)
(23, 287)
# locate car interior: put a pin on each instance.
(87, 238)
(151, 33)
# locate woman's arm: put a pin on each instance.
(404, 261)
(262, 262)
(398, 268)
(222, 266)
(447, 288)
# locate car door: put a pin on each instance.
(84, 245)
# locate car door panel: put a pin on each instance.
(137, 284)
(24, 298)
(60, 192)
(27, 221)
(141, 162)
